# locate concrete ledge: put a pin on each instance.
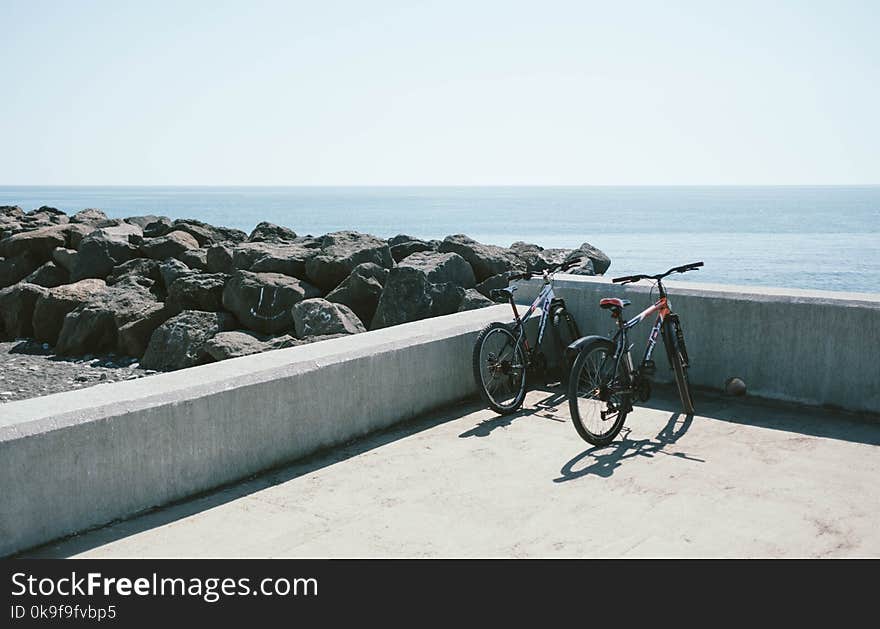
(813, 347)
(76, 460)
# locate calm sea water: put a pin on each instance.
(823, 237)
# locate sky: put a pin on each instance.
(338, 92)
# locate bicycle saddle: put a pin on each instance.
(610, 303)
(501, 294)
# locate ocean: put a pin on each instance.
(811, 237)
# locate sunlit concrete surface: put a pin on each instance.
(742, 479)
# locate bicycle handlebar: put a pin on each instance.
(562, 266)
(693, 266)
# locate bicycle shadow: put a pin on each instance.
(608, 458)
(546, 408)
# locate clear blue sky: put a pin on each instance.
(478, 92)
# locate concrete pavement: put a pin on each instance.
(742, 479)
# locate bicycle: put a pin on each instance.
(603, 382)
(502, 356)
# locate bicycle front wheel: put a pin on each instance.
(678, 359)
(500, 368)
(597, 393)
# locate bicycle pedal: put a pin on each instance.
(649, 368)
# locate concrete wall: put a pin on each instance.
(80, 459)
(815, 347)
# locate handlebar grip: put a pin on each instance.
(519, 276)
(625, 278)
(570, 263)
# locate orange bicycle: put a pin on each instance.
(603, 380)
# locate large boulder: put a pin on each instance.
(197, 291)
(49, 275)
(442, 267)
(89, 216)
(53, 306)
(268, 232)
(17, 309)
(139, 267)
(237, 343)
(486, 260)
(219, 259)
(135, 335)
(361, 290)
(273, 257)
(11, 217)
(263, 302)
(171, 245)
(209, 234)
(494, 282)
(104, 249)
(537, 258)
(473, 300)
(41, 241)
(319, 317)
(16, 268)
(180, 341)
(599, 260)
(94, 326)
(409, 296)
(196, 259)
(153, 226)
(340, 253)
(403, 246)
(172, 269)
(65, 258)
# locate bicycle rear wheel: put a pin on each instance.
(597, 397)
(500, 368)
(673, 337)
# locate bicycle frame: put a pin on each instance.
(542, 301)
(661, 307)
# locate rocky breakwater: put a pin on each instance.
(178, 293)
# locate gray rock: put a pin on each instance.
(180, 341)
(361, 290)
(135, 335)
(473, 300)
(40, 242)
(196, 259)
(486, 260)
(237, 343)
(17, 309)
(197, 291)
(442, 267)
(49, 276)
(340, 253)
(446, 298)
(268, 232)
(16, 268)
(153, 226)
(170, 270)
(52, 307)
(139, 267)
(537, 258)
(171, 245)
(93, 327)
(406, 297)
(104, 249)
(319, 317)
(403, 250)
(219, 259)
(89, 216)
(65, 258)
(209, 234)
(599, 260)
(265, 257)
(263, 302)
(494, 282)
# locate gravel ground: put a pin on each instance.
(29, 369)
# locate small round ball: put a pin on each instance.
(734, 386)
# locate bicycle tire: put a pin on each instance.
(585, 384)
(511, 371)
(565, 332)
(673, 337)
